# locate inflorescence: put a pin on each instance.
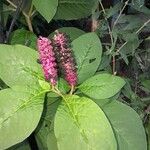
(57, 53)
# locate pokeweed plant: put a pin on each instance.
(57, 91)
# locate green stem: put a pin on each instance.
(148, 21)
(116, 21)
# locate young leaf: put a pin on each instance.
(74, 9)
(47, 8)
(18, 65)
(126, 123)
(20, 113)
(87, 50)
(102, 86)
(81, 125)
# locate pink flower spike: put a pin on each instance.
(65, 58)
(47, 59)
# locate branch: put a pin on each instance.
(27, 16)
(111, 37)
(121, 11)
(17, 12)
(145, 24)
(109, 29)
(148, 21)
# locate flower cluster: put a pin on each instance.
(47, 59)
(59, 47)
(65, 58)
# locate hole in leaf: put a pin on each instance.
(38, 61)
(92, 60)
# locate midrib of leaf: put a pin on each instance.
(89, 87)
(22, 105)
(85, 57)
(82, 132)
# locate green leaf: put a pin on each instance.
(44, 85)
(74, 9)
(146, 84)
(21, 146)
(72, 32)
(114, 10)
(105, 62)
(126, 123)
(47, 8)
(45, 132)
(102, 86)
(87, 50)
(20, 112)
(24, 37)
(18, 65)
(138, 3)
(81, 125)
(141, 8)
(51, 141)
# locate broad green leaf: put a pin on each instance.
(45, 132)
(102, 86)
(21, 146)
(20, 113)
(81, 125)
(126, 124)
(74, 9)
(24, 37)
(18, 65)
(72, 32)
(47, 8)
(87, 50)
(51, 141)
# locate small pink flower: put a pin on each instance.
(65, 58)
(47, 59)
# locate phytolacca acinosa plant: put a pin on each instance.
(65, 58)
(47, 59)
